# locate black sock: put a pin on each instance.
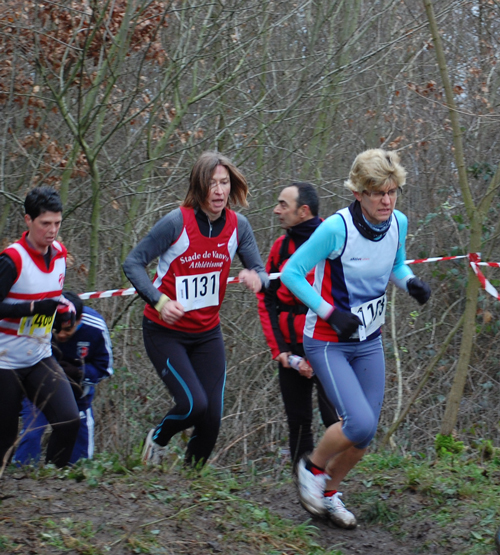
(312, 467)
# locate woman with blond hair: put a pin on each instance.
(355, 252)
(196, 244)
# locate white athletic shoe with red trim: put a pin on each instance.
(337, 512)
(311, 489)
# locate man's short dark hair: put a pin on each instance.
(40, 200)
(307, 195)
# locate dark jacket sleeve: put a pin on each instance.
(268, 304)
(99, 365)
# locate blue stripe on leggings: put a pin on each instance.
(223, 390)
(340, 410)
(188, 395)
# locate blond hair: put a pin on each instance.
(375, 168)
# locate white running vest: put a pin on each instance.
(356, 277)
(25, 341)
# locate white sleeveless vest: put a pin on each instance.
(25, 341)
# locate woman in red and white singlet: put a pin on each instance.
(195, 244)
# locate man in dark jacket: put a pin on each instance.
(282, 317)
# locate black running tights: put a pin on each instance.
(46, 385)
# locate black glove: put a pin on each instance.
(47, 307)
(74, 371)
(344, 323)
(419, 290)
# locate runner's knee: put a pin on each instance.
(200, 406)
(360, 429)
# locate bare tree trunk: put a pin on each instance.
(333, 91)
(95, 220)
(476, 217)
(400, 417)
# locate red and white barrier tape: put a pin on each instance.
(110, 293)
(132, 291)
(491, 264)
(474, 261)
(436, 259)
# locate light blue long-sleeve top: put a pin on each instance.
(328, 242)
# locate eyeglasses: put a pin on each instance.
(379, 195)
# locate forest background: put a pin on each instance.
(112, 101)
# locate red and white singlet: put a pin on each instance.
(25, 341)
(194, 271)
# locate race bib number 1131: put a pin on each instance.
(197, 291)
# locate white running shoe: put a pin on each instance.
(311, 489)
(337, 512)
(152, 453)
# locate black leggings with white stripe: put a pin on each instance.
(193, 367)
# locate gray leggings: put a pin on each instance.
(353, 377)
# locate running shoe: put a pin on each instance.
(337, 512)
(311, 489)
(152, 453)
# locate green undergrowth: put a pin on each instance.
(449, 504)
(456, 496)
